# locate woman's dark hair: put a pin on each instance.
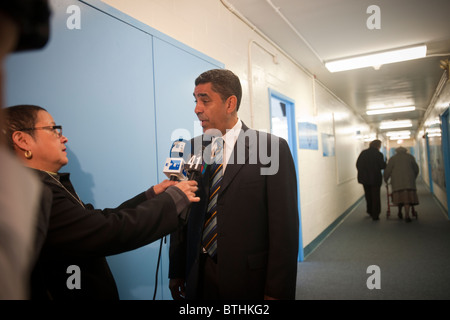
(18, 118)
(224, 82)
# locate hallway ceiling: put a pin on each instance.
(337, 29)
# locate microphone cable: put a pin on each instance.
(180, 140)
(157, 266)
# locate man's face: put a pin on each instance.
(210, 109)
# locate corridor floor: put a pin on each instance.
(411, 259)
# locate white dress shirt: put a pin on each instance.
(230, 138)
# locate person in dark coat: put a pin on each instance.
(369, 164)
(75, 235)
(257, 229)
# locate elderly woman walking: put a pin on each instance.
(403, 170)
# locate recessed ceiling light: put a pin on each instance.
(399, 137)
(390, 110)
(398, 133)
(377, 59)
(395, 124)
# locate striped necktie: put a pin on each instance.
(209, 238)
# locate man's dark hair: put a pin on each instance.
(375, 144)
(224, 82)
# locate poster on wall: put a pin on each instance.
(307, 136)
(328, 145)
(437, 162)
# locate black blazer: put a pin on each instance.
(369, 164)
(257, 224)
(84, 236)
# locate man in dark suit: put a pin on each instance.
(242, 243)
(369, 164)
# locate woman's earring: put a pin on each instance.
(28, 154)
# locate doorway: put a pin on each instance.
(283, 124)
(445, 127)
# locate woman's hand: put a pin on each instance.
(161, 187)
(189, 187)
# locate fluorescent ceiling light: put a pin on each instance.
(433, 130)
(370, 137)
(390, 110)
(400, 137)
(433, 122)
(434, 134)
(398, 133)
(377, 59)
(395, 124)
(397, 104)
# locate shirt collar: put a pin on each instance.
(232, 134)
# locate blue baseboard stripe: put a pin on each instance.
(322, 236)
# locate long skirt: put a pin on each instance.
(407, 196)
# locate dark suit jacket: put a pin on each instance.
(257, 224)
(84, 236)
(369, 164)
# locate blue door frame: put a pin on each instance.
(430, 177)
(292, 141)
(445, 127)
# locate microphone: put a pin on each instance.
(194, 166)
(174, 167)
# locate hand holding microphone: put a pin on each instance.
(177, 167)
(161, 187)
(189, 187)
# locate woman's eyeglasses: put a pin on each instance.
(57, 130)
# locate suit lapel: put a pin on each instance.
(233, 168)
(205, 167)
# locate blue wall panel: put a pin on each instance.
(175, 72)
(96, 86)
(98, 82)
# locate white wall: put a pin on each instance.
(209, 27)
(441, 104)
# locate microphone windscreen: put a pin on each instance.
(181, 148)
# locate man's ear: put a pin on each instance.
(231, 104)
(21, 140)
